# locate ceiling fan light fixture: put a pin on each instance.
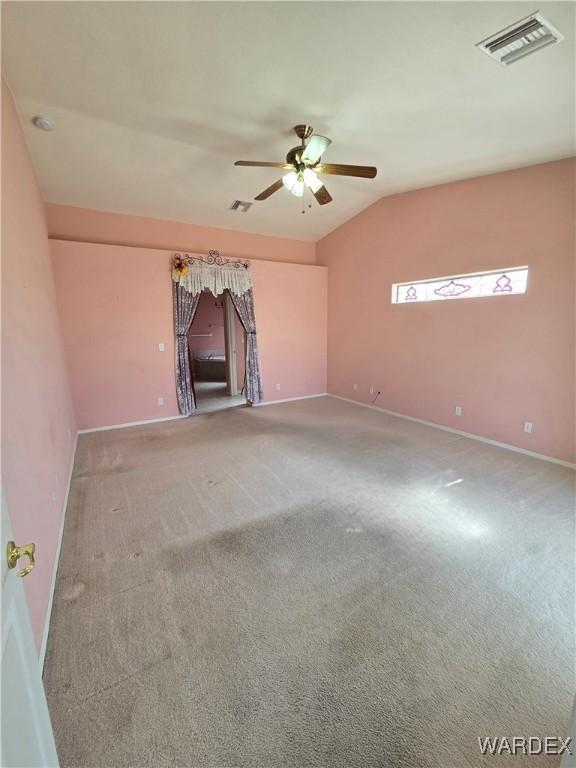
(289, 180)
(293, 183)
(311, 180)
(298, 188)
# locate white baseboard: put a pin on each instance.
(460, 432)
(130, 424)
(57, 560)
(289, 400)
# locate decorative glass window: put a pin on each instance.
(501, 282)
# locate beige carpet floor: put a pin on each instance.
(309, 584)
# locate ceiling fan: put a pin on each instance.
(303, 166)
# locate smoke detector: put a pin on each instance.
(520, 39)
(43, 123)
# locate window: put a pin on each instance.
(501, 282)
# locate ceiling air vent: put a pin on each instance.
(240, 205)
(521, 39)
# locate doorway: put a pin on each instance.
(217, 346)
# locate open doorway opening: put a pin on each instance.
(217, 354)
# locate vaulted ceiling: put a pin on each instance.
(154, 101)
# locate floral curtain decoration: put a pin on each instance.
(192, 274)
(244, 306)
(184, 307)
(196, 273)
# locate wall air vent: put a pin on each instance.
(240, 205)
(521, 39)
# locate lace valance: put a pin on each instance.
(195, 273)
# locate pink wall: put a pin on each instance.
(116, 306)
(291, 311)
(209, 319)
(38, 429)
(68, 223)
(505, 360)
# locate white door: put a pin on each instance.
(230, 344)
(26, 735)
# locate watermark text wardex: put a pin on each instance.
(524, 745)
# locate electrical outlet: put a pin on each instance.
(160, 401)
(528, 427)
(161, 347)
(371, 390)
(458, 410)
(278, 386)
(355, 387)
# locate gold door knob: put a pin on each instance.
(15, 553)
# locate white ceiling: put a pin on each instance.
(153, 101)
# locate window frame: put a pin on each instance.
(397, 287)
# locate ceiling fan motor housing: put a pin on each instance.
(293, 156)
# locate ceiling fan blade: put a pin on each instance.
(363, 171)
(270, 190)
(255, 163)
(315, 148)
(322, 195)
